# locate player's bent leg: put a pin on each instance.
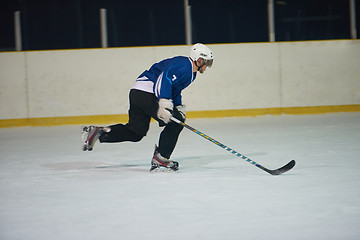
(120, 133)
(169, 136)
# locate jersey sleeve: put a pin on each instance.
(177, 100)
(173, 79)
(179, 81)
(163, 87)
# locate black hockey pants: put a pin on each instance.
(143, 107)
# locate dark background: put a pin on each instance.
(69, 24)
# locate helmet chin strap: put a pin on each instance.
(199, 66)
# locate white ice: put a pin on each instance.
(50, 189)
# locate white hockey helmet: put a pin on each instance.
(201, 51)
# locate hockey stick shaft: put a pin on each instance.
(279, 171)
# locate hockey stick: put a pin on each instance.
(278, 171)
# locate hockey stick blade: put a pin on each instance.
(279, 171)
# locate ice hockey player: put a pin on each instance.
(156, 94)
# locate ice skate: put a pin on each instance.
(160, 161)
(89, 135)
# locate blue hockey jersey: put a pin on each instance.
(167, 78)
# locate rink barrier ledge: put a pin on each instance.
(123, 118)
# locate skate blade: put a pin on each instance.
(162, 169)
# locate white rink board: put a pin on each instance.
(320, 73)
(13, 86)
(244, 76)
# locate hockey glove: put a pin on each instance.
(165, 109)
(182, 111)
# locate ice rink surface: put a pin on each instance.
(50, 189)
